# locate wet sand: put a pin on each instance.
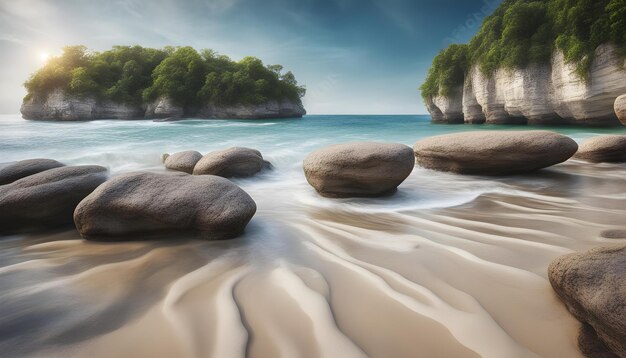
(317, 277)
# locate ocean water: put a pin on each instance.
(449, 266)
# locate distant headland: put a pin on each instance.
(133, 82)
(535, 62)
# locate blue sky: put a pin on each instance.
(354, 56)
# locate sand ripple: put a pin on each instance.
(399, 277)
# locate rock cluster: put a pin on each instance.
(603, 149)
(46, 199)
(363, 169)
(145, 203)
(593, 287)
(227, 163)
(538, 94)
(494, 152)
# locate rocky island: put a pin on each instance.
(534, 63)
(137, 83)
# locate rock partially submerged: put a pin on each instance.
(182, 161)
(604, 149)
(494, 152)
(231, 162)
(620, 108)
(363, 169)
(144, 203)
(593, 287)
(47, 199)
(24, 168)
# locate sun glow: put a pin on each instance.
(44, 56)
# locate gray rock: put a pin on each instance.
(604, 149)
(47, 199)
(164, 108)
(271, 109)
(362, 169)
(494, 152)
(620, 108)
(145, 203)
(182, 161)
(593, 287)
(231, 162)
(24, 168)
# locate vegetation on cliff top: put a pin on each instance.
(524, 32)
(190, 78)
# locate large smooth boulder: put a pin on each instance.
(231, 162)
(24, 168)
(603, 149)
(146, 203)
(182, 161)
(47, 199)
(362, 169)
(593, 287)
(494, 152)
(620, 108)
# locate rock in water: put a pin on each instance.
(231, 162)
(604, 149)
(494, 152)
(182, 161)
(47, 199)
(144, 203)
(593, 287)
(620, 108)
(24, 168)
(363, 169)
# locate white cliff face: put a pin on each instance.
(60, 106)
(620, 108)
(447, 109)
(540, 94)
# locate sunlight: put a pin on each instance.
(44, 56)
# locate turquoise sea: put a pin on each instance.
(125, 145)
(448, 266)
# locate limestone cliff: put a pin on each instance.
(538, 94)
(60, 106)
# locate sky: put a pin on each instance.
(353, 56)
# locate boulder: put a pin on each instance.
(604, 149)
(47, 199)
(231, 162)
(362, 169)
(494, 152)
(182, 161)
(148, 203)
(24, 168)
(620, 108)
(593, 287)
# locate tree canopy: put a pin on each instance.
(137, 74)
(524, 32)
